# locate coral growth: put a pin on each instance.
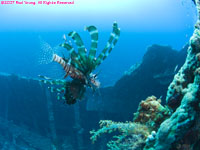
(151, 113)
(186, 74)
(172, 131)
(183, 97)
(132, 135)
(182, 122)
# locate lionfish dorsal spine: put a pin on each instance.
(76, 62)
(81, 48)
(94, 43)
(114, 36)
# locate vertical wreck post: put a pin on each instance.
(51, 119)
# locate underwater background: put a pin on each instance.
(151, 49)
(142, 24)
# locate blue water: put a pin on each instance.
(24, 30)
(142, 24)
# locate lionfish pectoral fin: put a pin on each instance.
(93, 48)
(102, 54)
(76, 60)
(81, 48)
(110, 44)
(44, 77)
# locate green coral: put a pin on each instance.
(184, 91)
(131, 135)
(174, 131)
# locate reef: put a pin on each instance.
(33, 110)
(151, 113)
(34, 119)
(134, 134)
(150, 77)
(175, 126)
(29, 108)
(183, 97)
(131, 135)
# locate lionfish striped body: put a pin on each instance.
(69, 70)
(81, 65)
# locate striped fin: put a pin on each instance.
(81, 48)
(58, 90)
(69, 48)
(110, 44)
(57, 82)
(52, 89)
(47, 82)
(53, 82)
(76, 62)
(50, 81)
(58, 96)
(94, 42)
(117, 34)
(102, 54)
(44, 77)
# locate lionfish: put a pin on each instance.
(80, 65)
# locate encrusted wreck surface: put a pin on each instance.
(151, 77)
(181, 130)
(32, 118)
(28, 107)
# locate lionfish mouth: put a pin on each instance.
(80, 64)
(92, 81)
(96, 83)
